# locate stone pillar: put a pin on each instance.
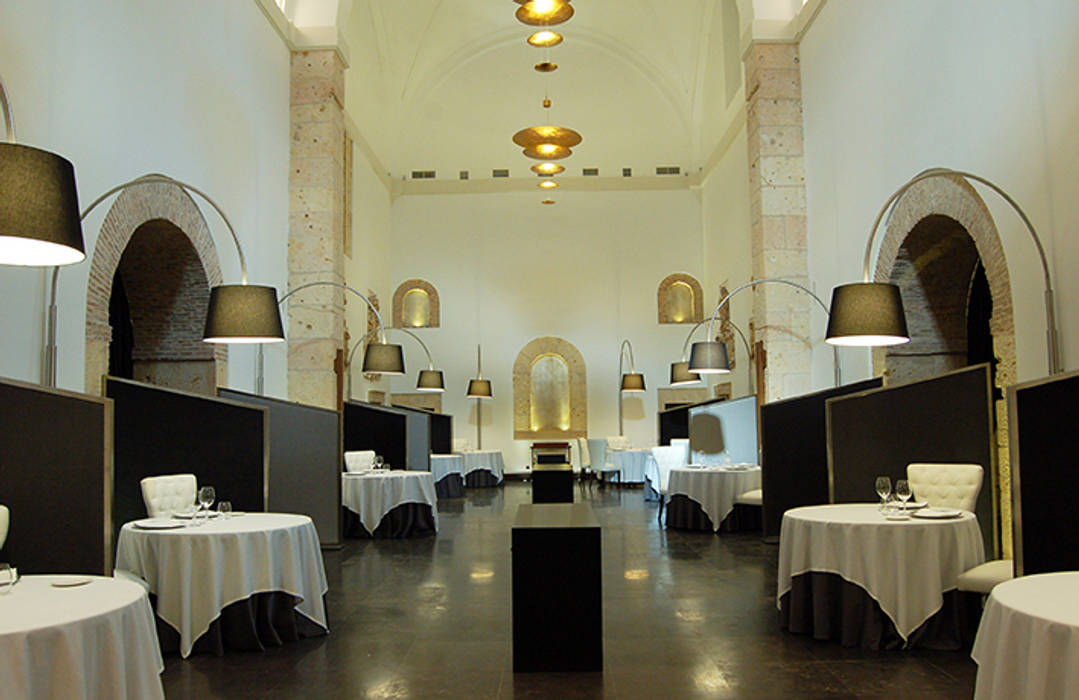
(316, 225)
(778, 215)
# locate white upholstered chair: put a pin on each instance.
(5, 517)
(461, 445)
(165, 495)
(751, 498)
(983, 577)
(946, 485)
(668, 457)
(359, 460)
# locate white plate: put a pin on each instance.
(157, 524)
(69, 581)
(937, 513)
(189, 515)
(896, 516)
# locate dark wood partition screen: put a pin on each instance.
(794, 452)
(1044, 445)
(441, 433)
(947, 418)
(378, 428)
(164, 431)
(673, 424)
(305, 461)
(56, 478)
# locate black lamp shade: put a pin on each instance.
(479, 389)
(709, 357)
(39, 208)
(383, 358)
(243, 313)
(680, 374)
(430, 380)
(867, 313)
(632, 382)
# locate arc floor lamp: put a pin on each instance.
(429, 379)
(479, 389)
(871, 313)
(710, 357)
(680, 374)
(631, 382)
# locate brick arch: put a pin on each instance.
(664, 290)
(954, 197)
(434, 310)
(135, 206)
(522, 388)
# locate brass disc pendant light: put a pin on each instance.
(547, 168)
(547, 142)
(543, 13)
(545, 38)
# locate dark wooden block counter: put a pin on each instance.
(552, 483)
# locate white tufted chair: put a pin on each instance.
(668, 458)
(165, 495)
(751, 498)
(946, 485)
(359, 460)
(4, 519)
(461, 445)
(983, 577)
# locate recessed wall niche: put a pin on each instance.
(415, 305)
(680, 299)
(550, 392)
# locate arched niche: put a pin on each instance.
(550, 392)
(680, 299)
(416, 305)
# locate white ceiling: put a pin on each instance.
(443, 84)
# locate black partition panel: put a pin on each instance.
(794, 452)
(1044, 446)
(673, 424)
(947, 418)
(305, 461)
(441, 434)
(164, 431)
(56, 479)
(368, 426)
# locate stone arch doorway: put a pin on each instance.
(155, 236)
(941, 227)
(550, 392)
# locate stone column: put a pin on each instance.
(316, 318)
(778, 215)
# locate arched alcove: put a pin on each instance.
(679, 299)
(416, 305)
(550, 393)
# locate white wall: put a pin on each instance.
(890, 89)
(197, 90)
(508, 270)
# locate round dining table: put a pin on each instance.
(78, 637)
(258, 562)
(389, 503)
(483, 468)
(630, 463)
(712, 490)
(850, 574)
(448, 472)
(1028, 640)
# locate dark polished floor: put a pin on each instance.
(686, 615)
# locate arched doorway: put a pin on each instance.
(550, 392)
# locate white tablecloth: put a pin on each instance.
(444, 465)
(713, 488)
(906, 566)
(98, 640)
(631, 463)
(373, 494)
(198, 571)
(491, 460)
(1028, 640)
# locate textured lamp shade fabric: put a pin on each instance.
(680, 374)
(243, 313)
(39, 208)
(867, 313)
(479, 389)
(430, 380)
(709, 357)
(383, 358)
(632, 382)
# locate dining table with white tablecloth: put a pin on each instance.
(631, 463)
(1028, 640)
(197, 571)
(390, 503)
(849, 573)
(711, 489)
(483, 468)
(78, 637)
(448, 473)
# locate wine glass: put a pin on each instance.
(7, 578)
(902, 492)
(884, 489)
(206, 498)
(378, 461)
(225, 509)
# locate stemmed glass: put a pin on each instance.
(884, 489)
(902, 492)
(206, 499)
(378, 461)
(7, 578)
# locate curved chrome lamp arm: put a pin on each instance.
(626, 345)
(9, 118)
(753, 283)
(1053, 348)
(364, 339)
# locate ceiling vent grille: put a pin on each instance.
(668, 170)
(500, 172)
(423, 174)
(627, 172)
(463, 175)
(590, 172)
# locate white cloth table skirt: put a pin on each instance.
(1028, 640)
(98, 640)
(906, 566)
(198, 571)
(491, 460)
(444, 465)
(631, 463)
(374, 494)
(713, 488)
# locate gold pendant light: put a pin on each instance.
(548, 184)
(545, 39)
(547, 168)
(543, 13)
(547, 142)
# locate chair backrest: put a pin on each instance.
(164, 495)
(668, 458)
(682, 443)
(461, 445)
(617, 442)
(582, 448)
(5, 517)
(359, 460)
(946, 485)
